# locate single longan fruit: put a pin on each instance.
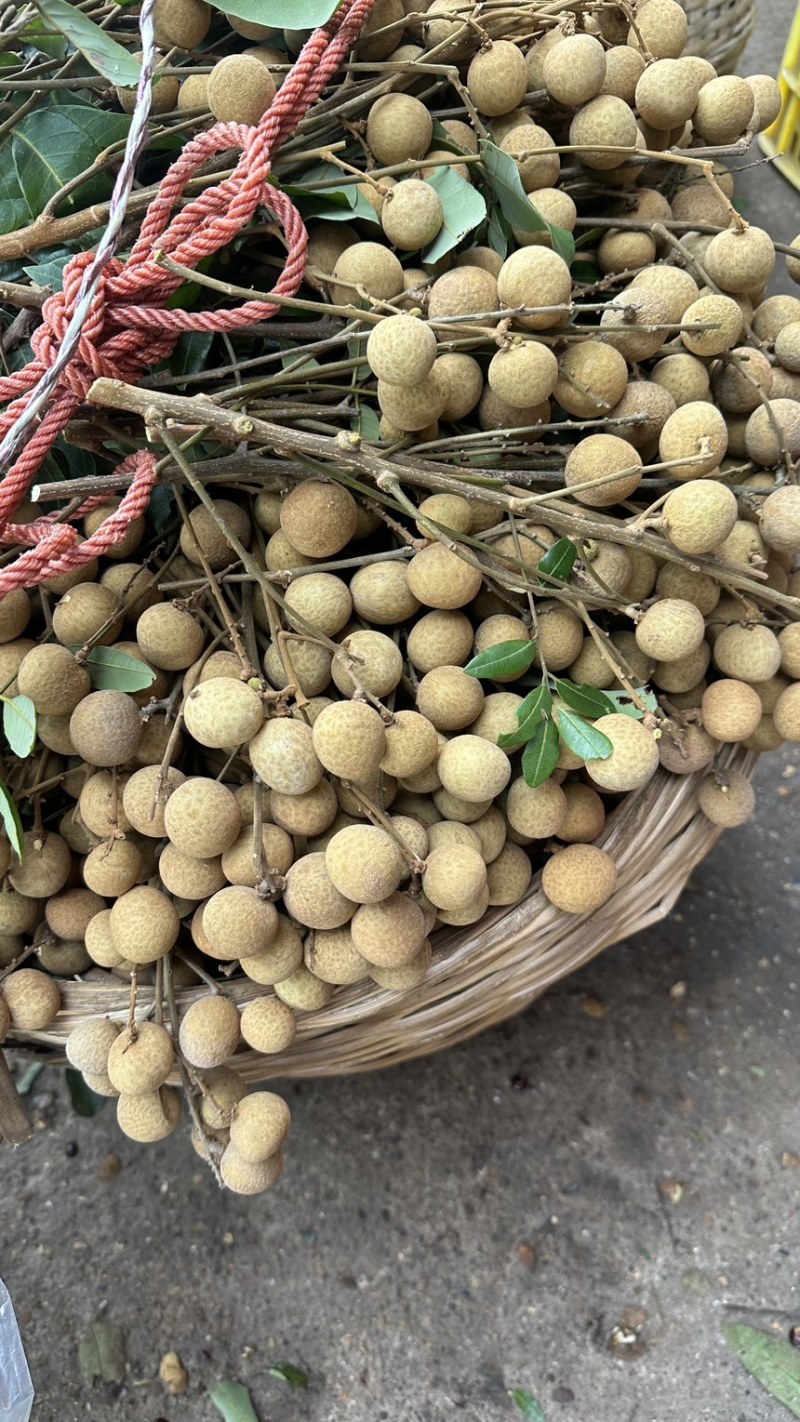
(311, 667)
(381, 595)
(32, 999)
(497, 78)
(465, 380)
(151, 1117)
(202, 535)
(726, 798)
(181, 23)
(604, 120)
(666, 93)
(524, 374)
(789, 643)
(69, 914)
(411, 745)
(580, 878)
(12, 655)
(311, 897)
(780, 519)
(439, 638)
(209, 1031)
(764, 444)
(560, 636)
(621, 251)
(259, 1125)
(144, 924)
(140, 1059)
(767, 94)
(144, 800)
(45, 866)
(414, 407)
(534, 152)
(193, 93)
(731, 710)
(238, 862)
(202, 817)
(244, 1178)
(749, 654)
(685, 672)
(685, 749)
(624, 68)
(373, 659)
(585, 816)
(464, 291)
(473, 769)
(592, 377)
(454, 876)
(670, 629)
(557, 208)
(684, 377)
(318, 603)
(223, 713)
(240, 89)
(364, 863)
(574, 70)
(508, 876)
(408, 976)
(284, 756)
(634, 756)
(400, 350)
(412, 214)
(744, 545)
(536, 277)
(593, 461)
(304, 992)
(268, 1025)
(724, 109)
(168, 637)
(696, 437)
(449, 698)
(332, 957)
(498, 717)
(99, 944)
(398, 127)
(675, 286)
(739, 383)
(15, 614)
(100, 804)
(775, 312)
(309, 815)
(88, 1045)
(449, 510)
(633, 323)
(536, 812)
(112, 869)
(786, 713)
(391, 933)
(319, 519)
(650, 405)
(366, 267)
(53, 679)
(740, 260)
(439, 578)
(223, 1089)
(699, 516)
(787, 347)
(663, 31)
(723, 319)
(237, 923)
(349, 740)
(282, 958)
(82, 612)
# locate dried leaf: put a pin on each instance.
(772, 1361)
(102, 1354)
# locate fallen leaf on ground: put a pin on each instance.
(772, 1361)
(101, 1353)
(232, 1400)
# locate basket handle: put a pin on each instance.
(15, 1124)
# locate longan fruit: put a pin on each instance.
(411, 744)
(696, 437)
(12, 655)
(268, 1025)
(634, 756)
(238, 864)
(536, 812)
(100, 804)
(15, 614)
(633, 321)
(699, 515)
(140, 1059)
(604, 120)
(685, 749)
(671, 628)
(740, 259)
(465, 380)
(749, 654)
(53, 732)
(556, 207)
(740, 383)
(209, 1031)
(144, 924)
(767, 94)
(53, 679)
(364, 863)
(144, 799)
(780, 519)
(495, 414)
(400, 350)
(775, 312)
(593, 461)
(449, 510)
(45, 865)
(650, 405)
(349, 739)
(151, 1117)
(508, 876)
(240, 89)
(304, 992)
(449, 698)
(181, 23)
(259, 1125)
(112, 869)
(723, 320)
(407, 976)
(311, 667)
(624, 68)
(574, 70)
(311, 897)
(333, 958)
(592, 377)
(238, 923)
(412, 214)
(786, 713)
(368, 267)
(439, 638)
(309, 814)
(585, 814)
(666, 93)
(724, 109)
(169, 637)
(764, 444)
(398, 127)
(202, 817)
(731, 710)
(63, 959)
(535, 154)
(744, 545)
(683, 673)
(787, 347)
(244, 1178)
(391, 933)
(81, 614)
(69, 914)
(193, 93)
(675, 286)
(473, 769)
(684, 377)
(319, 603)
(623, 251)
(414, 407)
(789, 643)
(88, 1045)
(579, 879)
(319, 519)
(202, 535)
(726, 798)
(282, 958)
(560, 635)
(223, 713)
(99, 944)
(536, 277)
(497, 78)
(32, 998)
(377, 664)
(525, 373)
(454, 876)
(439, 578)
(464, 291)
(662, 31)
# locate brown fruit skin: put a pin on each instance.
(169, 637)
(268, 1025)
(731, 710)
(240, 89)
(53, 679)
(209, 1031)
(243, 1178)
(151, 1117)
(45, 868)
(15, 614)
(144, 924)
(32, 998)
(182, 23)
(726, 798)
(579, 879)
(319, 519)
(260, 1125)
(140, 1059)
(106, 728)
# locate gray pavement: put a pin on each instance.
(574, 1203)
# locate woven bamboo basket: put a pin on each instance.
(719, 30)
(656, 837)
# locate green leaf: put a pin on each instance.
(341, 202)
(162, 507)
(49, 273)
(558, 561)
(191, 352)
(540, 756)
(51, 146)
(502, 175)
(527, 1404)
(19, 724)
(464, 208)
(111, 670)
(298, 14)
(623, 706)
(771, 1361)
(585, 699)
(587, 272)
(12, 824)
(103, 53)
(582, 738)
(85, 1102)
(13, 207)
(232, 1400)
(26, 1078)
(294, 1376)
(536, 705)
(498, 233)
(367, 423)
(506, 659)
(102, 1353)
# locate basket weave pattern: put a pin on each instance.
(719, 30)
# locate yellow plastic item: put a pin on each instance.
(782, 139)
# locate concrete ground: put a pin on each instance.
(574, 1203)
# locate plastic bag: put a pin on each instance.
(16, 1387)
